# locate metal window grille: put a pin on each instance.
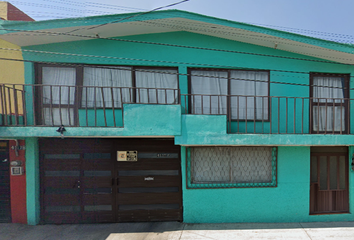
(210, 167)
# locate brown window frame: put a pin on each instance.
(79, 68)
(228, 104)
(345, 104)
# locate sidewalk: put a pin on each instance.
(180, 231)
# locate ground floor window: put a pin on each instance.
(218, 167)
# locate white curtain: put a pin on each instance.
(99, 83)
(328, 117)
(255, 85)
(231, 164)
(63, 94)
(164, 82)
(214, 85)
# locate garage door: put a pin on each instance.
(5, 210)
(82, 181)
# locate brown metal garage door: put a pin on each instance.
(83, 182)
(5, 208)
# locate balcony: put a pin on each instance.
(273, 115)
(75, 106)
(78, 106)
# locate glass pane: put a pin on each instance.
(327, 119)
(97, 156)
(149, 172)
(313, 169)
(251, 164)
(62, 208)
(156, 79)
(148, 190)
(62, 156)
(62, 173)
(210, 89)
(148, 207)
(330, 88)
(231, 164)
(333, 172)
(52, 116)
(253, 84)
(323, 173)
(64, 78)
(342, 172)
(91, 208)
(104, 82)
(97, 173)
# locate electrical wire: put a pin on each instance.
(180, 46)
(297, 30)
(139, 14)
(136, 68)
(100, 5)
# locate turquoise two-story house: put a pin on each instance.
(176, 116)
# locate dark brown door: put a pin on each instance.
(76, 180)
(5, 207)
(82, 182)
(150, 188)
(329, 182)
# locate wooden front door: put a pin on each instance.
(5, 207)
(82, 181)
(329, 181)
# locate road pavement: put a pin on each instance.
(179, 231)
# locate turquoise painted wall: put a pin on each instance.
(139, 120)
(211, 130)
(32, 181)
(282, 70)
(288, 202)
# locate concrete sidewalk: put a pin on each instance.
(180, 231)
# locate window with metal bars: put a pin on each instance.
(218, 167)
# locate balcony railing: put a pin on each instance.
(55, 105)
(84, 106)
(272, 114)
(13, 105)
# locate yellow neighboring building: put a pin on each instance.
(11, 64)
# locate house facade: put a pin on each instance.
(173, 115)
(12, 188)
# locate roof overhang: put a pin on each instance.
(37, 33)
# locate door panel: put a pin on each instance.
(329, 183)
(83, 182)
(5, 207)
(149, 189)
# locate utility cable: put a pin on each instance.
(180, 46)
(139, 14)
(160, 70)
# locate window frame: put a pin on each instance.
(190, 185)
(228, 102)
(79, 70)
(345, 103)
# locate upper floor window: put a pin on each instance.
(102, 84)
(67, 88)
(329, 100)
(240, 94)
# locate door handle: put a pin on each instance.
(5, 160)
(77, 184)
